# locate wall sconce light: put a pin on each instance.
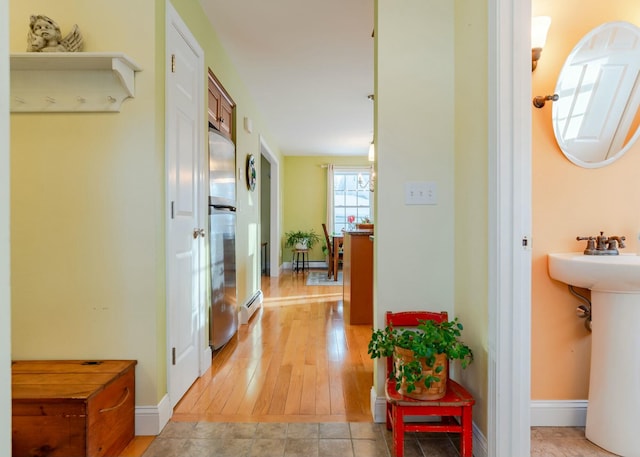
(539, 29)
(539, 101)
(372, 152)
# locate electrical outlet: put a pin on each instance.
(421, 193)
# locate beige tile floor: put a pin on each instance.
(355, 439)
(563, 442)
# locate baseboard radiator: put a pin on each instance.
(248, 309)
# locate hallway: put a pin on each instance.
(296, 381)
(295, 361)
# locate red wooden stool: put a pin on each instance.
(457, 402)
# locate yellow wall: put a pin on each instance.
(87, 208)
(415, 142)
(87, 196)
(305, 196)
(471, 191)
(431, 125)
(569, 201)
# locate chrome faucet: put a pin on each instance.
(602, 245)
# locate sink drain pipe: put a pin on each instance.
(583, 311)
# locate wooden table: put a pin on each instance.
(336, 243)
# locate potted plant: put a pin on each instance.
(365, 224)
(299, 239)
(420, 356)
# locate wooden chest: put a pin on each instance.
(72, 408)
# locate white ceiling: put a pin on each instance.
(308, 65)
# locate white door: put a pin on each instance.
(185, 214)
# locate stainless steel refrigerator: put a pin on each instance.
(222, 239)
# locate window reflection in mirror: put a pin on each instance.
(596, 117)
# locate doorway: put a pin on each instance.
(270, 212)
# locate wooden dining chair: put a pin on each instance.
(456, 403)
(328, 240)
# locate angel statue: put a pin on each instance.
(44, 36)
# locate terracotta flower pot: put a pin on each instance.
(437, 389)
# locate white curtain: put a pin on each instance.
(330, 227)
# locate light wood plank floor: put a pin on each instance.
(296, 361)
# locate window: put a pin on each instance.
(352, 197)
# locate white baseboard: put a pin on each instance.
(480, 443)
(379, 412)
(315, 264)
(559, 413)
(378, 407)
(150, 420)
(205, 359)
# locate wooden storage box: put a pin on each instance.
(72, 408)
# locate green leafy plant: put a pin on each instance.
(298, 236)
(426, 340)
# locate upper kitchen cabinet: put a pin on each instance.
(220, 107)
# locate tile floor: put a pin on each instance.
(355, 439)
(563, 442)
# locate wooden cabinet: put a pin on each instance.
(72, 407)
(357, 274)
(220, 107)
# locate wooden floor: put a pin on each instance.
(296, 361)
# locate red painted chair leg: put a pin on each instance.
(388, 415)
(398, 433)
(466, 437)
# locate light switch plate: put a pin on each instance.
(421, 193)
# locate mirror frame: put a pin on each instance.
(585, 41)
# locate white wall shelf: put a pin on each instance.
(71, 81)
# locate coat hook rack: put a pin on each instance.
(93, 81)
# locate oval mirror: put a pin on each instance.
(596, 117)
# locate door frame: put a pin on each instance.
(274, 216)
(510, 207)
(5, 218)
(204, 350)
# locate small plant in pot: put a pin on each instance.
(420, 356)
(299, 239)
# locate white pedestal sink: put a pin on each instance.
(613, 413)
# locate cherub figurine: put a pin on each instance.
(44, 36)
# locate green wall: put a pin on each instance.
(305, 195)
(431, 125)
(471, 190)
